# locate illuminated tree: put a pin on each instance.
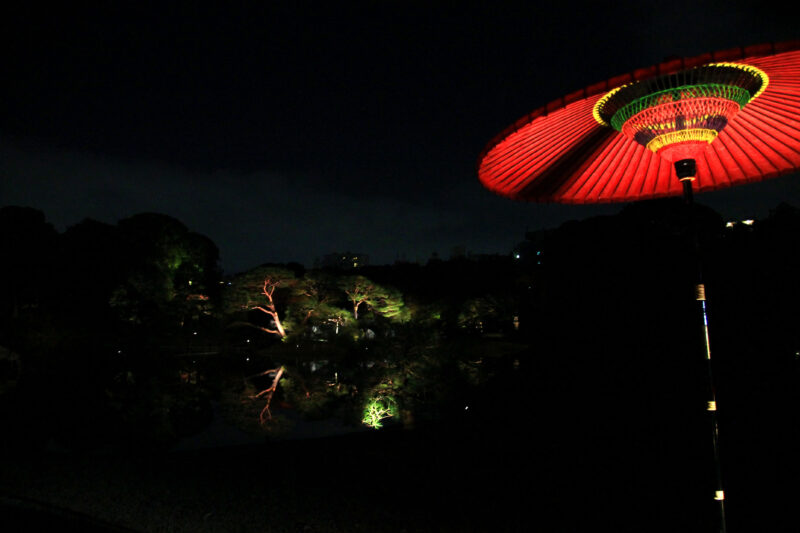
(359, 291)
(257, 290)
(311, 298)
(389, 303)
(338, 318)
(268, 289)
(383, 301)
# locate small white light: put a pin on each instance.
(748, 222)
(248, 340)
(246, 358)
(719, 495)
(194, 333)
(467, 407)
(729, 224)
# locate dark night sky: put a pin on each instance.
(286, 133)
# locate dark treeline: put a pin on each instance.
(585, 343)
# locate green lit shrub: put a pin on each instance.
(378, 409)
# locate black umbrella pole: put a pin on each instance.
(686, 171)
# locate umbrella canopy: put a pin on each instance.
(610, 141)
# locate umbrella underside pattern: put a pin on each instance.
(565, 155)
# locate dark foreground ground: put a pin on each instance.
(457, 479)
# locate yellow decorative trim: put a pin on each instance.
(752, 70)
(600, 103)
(748, 68)
(681, 136)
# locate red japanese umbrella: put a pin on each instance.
(735, 112)
(703, 123)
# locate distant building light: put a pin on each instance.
(748, 222)
(516, 256)
(538, 252)
(719, 495)
(730, 224)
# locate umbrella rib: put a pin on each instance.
(537, 166)
(757, 144)
(609, 161)
(750, 125)
(523, 135)
(721, 147)
(719, 163)
(740, 148)
(779, 115)
(539, 161)
(765, 117)
(652, 168)
(642, 158)
(508, 169)
(619, 170)
(583, 178)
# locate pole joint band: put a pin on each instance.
(700, 292)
